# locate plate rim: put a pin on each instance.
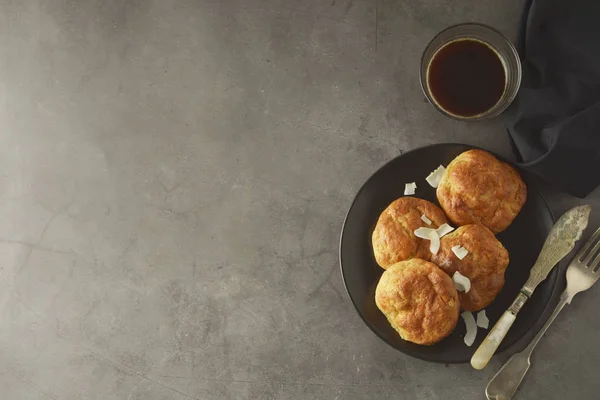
(522, 342)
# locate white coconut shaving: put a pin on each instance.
(434, 245)
(423, 232)
(460, 251)
(461, 282)
(435, 177)
(431, 235)
(425, 219)
(482, 320)
(443, 230)
(409, 188)
(471, 328)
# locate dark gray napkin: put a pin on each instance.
(554, 122)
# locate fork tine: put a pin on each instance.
(586, 250)
(591, 256)
(594, 263)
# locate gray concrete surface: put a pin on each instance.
(174, 177)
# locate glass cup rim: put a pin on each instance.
(494, 110)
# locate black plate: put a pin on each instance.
(523, 240)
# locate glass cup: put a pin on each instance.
(503, 48)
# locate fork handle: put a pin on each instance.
(564, 300)
(506, 381)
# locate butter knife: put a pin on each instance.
(561, 240)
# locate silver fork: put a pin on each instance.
(583, 272)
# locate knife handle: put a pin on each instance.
(491, 342)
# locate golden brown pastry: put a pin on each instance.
(484, 264)
(394, 239)
(478, 188)
(419, 301)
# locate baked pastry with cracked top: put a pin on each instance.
(477, 188)
(484, 264)
(394, 240)
(419, 301)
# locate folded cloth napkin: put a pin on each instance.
(554, 122)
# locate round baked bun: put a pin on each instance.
(484, 264)
(477, 188)
(394, 239)
(419, 301)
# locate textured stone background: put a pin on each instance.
(174, 175)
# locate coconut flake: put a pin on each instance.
(482, 320)
(434, 245)
(431, 235)
(425, 219)
(435, 177)
(460, 251)
(471, 327)
(423, 232)
(461, 282)
(409, 188)
(443, 230)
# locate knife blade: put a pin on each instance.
(561, 240)
(563, 236)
